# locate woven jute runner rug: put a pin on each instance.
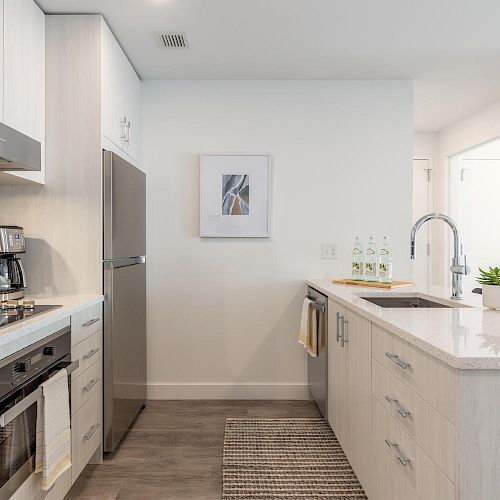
(298, 458)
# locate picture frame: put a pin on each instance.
(235, 195)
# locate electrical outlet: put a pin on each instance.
(329, 251)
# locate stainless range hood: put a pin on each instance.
(18, 151)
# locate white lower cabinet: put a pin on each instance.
(402, 469)
(412, 427)
(86, 433)
(349, 394)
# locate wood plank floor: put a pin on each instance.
(174, 450)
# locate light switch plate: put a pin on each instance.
(329, 251)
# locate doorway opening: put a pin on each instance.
(474, 177)
(423, 203)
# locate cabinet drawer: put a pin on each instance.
(85, 323)
(87, 352)
(84, 386)
(403, 470)
(60, 488)
(433, 381)
(433, 432)
(32, 488)
(86, 432)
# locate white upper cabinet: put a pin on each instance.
(121, 97)
(24, 76)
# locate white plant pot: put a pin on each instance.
(491, 296)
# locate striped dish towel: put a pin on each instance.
(53, 434)
(308, 334)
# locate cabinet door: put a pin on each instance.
(357, 331)
(24, 73)
(132, 110)
(336, 373)
(112, 87)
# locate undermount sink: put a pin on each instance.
(406, 302)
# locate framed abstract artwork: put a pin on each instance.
(235, 195)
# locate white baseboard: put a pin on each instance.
(228, 391)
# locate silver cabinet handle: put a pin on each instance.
(91, 353)
(90, 322)
(45, 493)
(395, 404)
(123, 126)
(91, 432)
(344, 337)
(338, 326)
(396, 359)
(395, 449)
(91, 384)
(127, 128)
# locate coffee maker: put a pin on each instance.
(12, 275)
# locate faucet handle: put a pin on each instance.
(466, 267)
(458, 268)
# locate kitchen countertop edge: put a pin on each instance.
(458, 362)
(15, 337)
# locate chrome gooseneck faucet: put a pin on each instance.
(459, 261)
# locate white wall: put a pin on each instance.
(465, 134)
(223, 313)
(425, 144)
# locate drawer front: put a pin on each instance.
(85, 323)
(60, 488)
(431, 430)
(32, 488)
(87, 352)
(84, 386)
(403, 470)
(86, 432)
(433, 381)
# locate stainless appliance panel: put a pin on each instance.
(317, 368)
(21, 375)
(124, 208)
(18, 151)
(125, 369)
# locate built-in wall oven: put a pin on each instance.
(317, 367)
(21, 375)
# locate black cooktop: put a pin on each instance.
(9, 316)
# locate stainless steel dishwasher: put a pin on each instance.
(317, 368)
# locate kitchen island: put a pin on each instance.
(414, 393)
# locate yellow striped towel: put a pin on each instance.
(308, 335)
(53, 434)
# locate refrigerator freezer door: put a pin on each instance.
(125, 373)
(124, 208)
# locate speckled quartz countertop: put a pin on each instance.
(466, 337)
(24, 333)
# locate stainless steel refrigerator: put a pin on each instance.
(124, 278)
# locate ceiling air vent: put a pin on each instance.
(174, 40)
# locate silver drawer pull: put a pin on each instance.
(395, 449)
(91, 432)
(91, 353)
(90, 322)
(394, 357)
(91, 384)
(395, 404)
(45, 493)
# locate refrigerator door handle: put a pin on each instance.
(129, 261)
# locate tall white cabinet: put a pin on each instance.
(22, 49)
(121, 97)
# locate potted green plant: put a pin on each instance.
(491, 287)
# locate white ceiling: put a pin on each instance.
(451, 48)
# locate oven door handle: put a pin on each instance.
(30, 399)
